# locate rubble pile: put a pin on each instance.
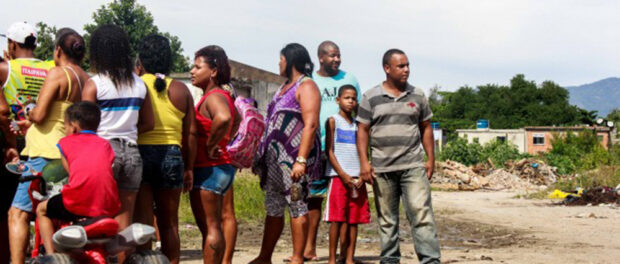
(525, 174)
(595, 196)
(535, 171)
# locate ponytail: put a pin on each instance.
(160, 82)
(308, 69)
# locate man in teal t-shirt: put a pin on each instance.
(328, 78)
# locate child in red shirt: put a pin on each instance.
(91, 190)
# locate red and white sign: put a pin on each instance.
(34, 72)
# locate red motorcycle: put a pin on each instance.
(89, 240)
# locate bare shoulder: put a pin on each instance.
(308, 84)
(56, 74)
(179, 95)
(308, 88)
(178, 89)
(331, 122)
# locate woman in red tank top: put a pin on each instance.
(213, 172)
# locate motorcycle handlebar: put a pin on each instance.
(27, 178)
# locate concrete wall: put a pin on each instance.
(248, 81)
(514, 136)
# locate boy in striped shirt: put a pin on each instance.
(347, 200)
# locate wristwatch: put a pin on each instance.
(301, 160)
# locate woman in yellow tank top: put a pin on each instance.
(167, 153)
(62, 87)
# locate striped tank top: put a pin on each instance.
(120, 108)
(345, 149)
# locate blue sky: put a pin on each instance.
(450, 43)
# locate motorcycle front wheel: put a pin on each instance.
(56, 258)
(147, 257)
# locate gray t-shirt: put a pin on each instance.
(395, 138)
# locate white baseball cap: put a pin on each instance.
(19, 31)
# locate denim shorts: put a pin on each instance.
(216, 179)
(127, 164)
(162, 166)
(22, 200)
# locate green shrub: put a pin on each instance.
(460, 151)
(580, 152)
(564, 164)
(500, 152)
(473, 153)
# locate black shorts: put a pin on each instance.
(56, 210)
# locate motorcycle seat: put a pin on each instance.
(99, 227)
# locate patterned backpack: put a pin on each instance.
(243, 147)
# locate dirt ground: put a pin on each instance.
(474, 227)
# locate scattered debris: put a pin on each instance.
(559, 194)
(590, 215)
(594, 196)
(535, 171)
(525, 174)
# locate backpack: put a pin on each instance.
(243, 147)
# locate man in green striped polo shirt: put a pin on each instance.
(394, 118)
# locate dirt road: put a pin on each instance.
(480, 227)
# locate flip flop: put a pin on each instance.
(313, 259)
(18, 167)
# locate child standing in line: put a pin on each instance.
(347, 199)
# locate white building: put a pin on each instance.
(514, 136)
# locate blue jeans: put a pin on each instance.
(216, 179)
(413, 187)
(162, 166)
(21, 200)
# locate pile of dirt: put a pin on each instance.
(525, 174)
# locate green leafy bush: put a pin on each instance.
(473, 153)
(500, 152)
(460, 151)
(580, 152)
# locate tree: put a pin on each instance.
(522, 103)
(614, 116)
(587, 117)
(138, 22)
(45, 41)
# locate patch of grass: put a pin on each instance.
(185, 210)
(602, 176)
(542, 194)
(249, 200)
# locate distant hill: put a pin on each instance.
(603, 95)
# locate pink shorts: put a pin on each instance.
(340, 207)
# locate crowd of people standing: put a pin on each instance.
(148, 142)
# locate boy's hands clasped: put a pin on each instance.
(348, 181)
